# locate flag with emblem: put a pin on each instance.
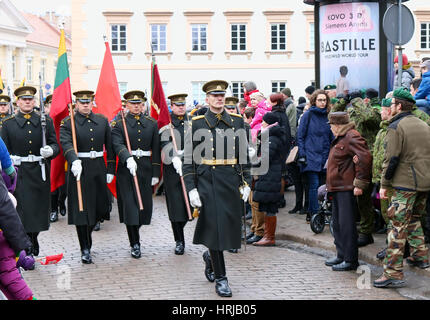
(61, 98)
(108, 97)
(159, 110)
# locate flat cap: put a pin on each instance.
(231, 101)
(25, 92)
(84, 96)
(403, 94)
(4, 99)
(215, 87)
(338, 118)
(330, 87)
(135, 96)
(178, 99)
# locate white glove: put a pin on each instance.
(154, 181)
(195, 198)
(245, 191)
(16, 160)
(251, 152)
(46, 152)
(132, 166)
(177, 164)
(77, 169)
(109, 178)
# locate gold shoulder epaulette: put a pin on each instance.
(150, 118)
(64, 120)
(198, 117)
(236, 115)
(101, 115)
(8, 118)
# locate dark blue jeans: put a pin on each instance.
(314, 181)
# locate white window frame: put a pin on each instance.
(43, 69)
(122, 86)
(238, 43)
(278, 37)
(198, 93)
(29, 69)
(237, 89)
(13, 67)
(199, 38)
(118, 37)
(312, 36)
(278, 85)
(157, 47)
(425, 36)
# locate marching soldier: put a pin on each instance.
(4, 108)
(231, 104)
(22, 134)
(93, 135)
(143, 162)
(176, 206)
(215, 181)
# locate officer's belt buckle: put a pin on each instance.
(31, 158)
(93, 154)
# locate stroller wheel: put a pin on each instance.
(317, 223)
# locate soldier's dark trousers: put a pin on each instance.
(365, 208)
(58, 198)
(218, 263)
(344, 225)
(133, 235)
(34, 243)
(84, 236)
(178, 230)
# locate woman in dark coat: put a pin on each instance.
(278, 109)
(314, 138)
(268, 186)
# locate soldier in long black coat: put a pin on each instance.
(172, 166)
(143, 162)
(22, 134)
(93, 136)
(214, 181)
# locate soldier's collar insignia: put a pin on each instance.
(180, 118)
(137, 117)
(27, 116)
(218, 116)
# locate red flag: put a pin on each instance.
(108, 98)
(159, 109)
(61, 98)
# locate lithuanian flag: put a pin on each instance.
(61, 98)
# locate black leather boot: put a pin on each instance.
(209, 272)
(180, 247)
(86, 257)
(135, 251)
(84, 243)
(222, 288)
(54, 216)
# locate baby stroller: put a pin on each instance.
(323, 216)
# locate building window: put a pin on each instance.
(198, 94)
(425, 35)
(122, 88)
(14, 67)
(277, 86)
(158, 37)
(312, 36)
(237, 89)
(199, 37)
(278, 36)
(119, 37)
(238, 37)
(43, 69)
(29, 69)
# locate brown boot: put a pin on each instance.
(269, 232)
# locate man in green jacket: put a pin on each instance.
(405, 169)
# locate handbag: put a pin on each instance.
(292, 157)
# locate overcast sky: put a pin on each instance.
(63, 7)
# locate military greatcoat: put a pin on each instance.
(93, 133)
(217, 177)
(22, 135)
(143, 134)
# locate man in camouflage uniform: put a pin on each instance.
(405, 169)
(367, 120)
(372, 99)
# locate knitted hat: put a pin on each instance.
(310, 89)
(386, 102)
(302, 100)
(338, 118)
(270, 118)
(404, 59)
(286, 91)
(371, 93)
(403, 94)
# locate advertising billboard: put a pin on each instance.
(349, 45)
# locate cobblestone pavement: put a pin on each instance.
(282, 272)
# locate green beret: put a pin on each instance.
(403, 94)
(386, 102)
(334, 100)
(330, 87)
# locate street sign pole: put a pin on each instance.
(400, 54)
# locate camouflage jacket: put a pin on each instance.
(421, 115)
(378, 152)
(367, 120)
(375, 103)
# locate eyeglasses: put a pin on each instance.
(321, 100)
